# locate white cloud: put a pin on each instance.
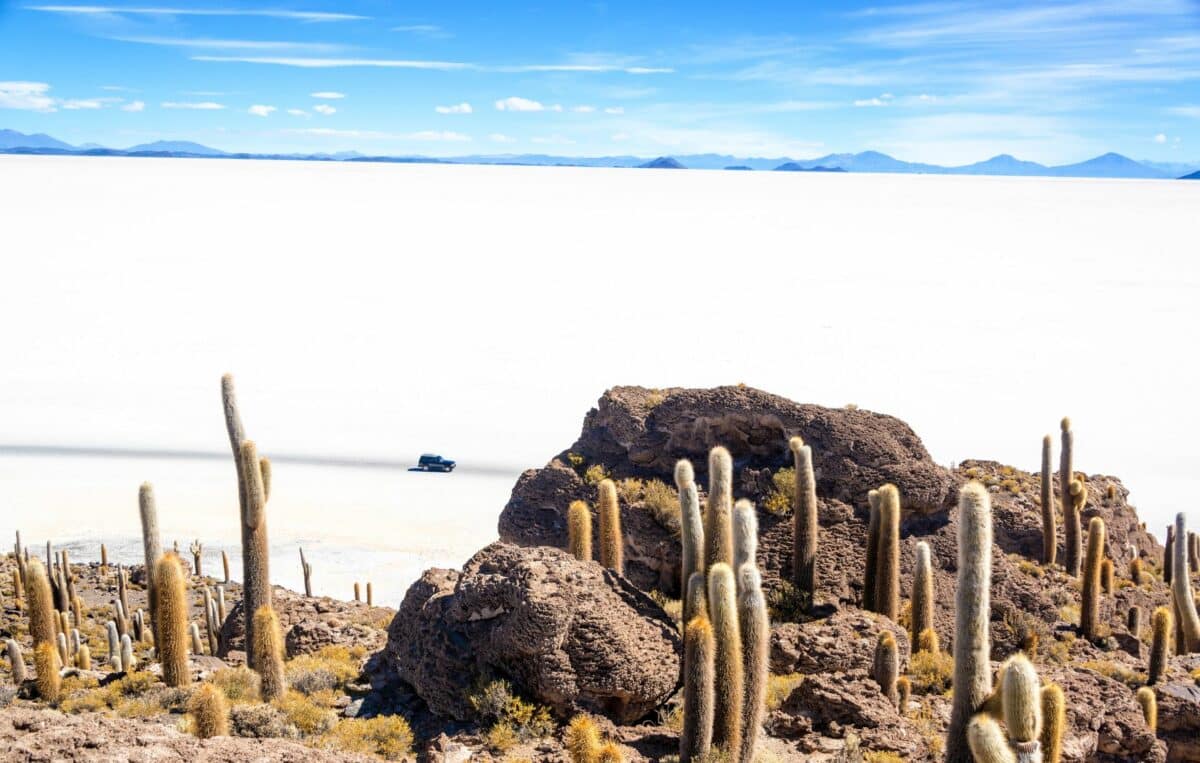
(431, 135)
(26, 96)
(1160, 138)
(81, 104)
(298, 112)
(334, 63)
(328, 95)
(497, 137)
(134, 106)
(210, 43)
(422, 135)
(193, 106)
(1185, 111)
(614, 110)
(584, 109)
(460, 108)
(325, 109)
(600, 68)
(515, 103)
(425, 30)
(882, 100)
(103, 10)
(260, 110)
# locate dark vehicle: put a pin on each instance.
(431, 463)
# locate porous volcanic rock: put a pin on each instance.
(310, 624)
(842, 642)
(568, 634)
(637, 432)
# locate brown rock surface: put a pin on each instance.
(310, 624)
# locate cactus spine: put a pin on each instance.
(151, 547)
(1089, 616)
(1181, 591)
(872, 555)
(1072, 550)
(1049, 531)
(756, 648)
(887, 576)
(718, 518)
(1149, 705)
(579, 531)
(745, 535)
(49, 680)
(691, 531)
(171, 620)
(210, 712)
(699, 649)
(806, 529)
(922, 593)
(729, 683)
(16, 662)
(1054, 720)
(1161, 626)
(886, 666)
(40, 601)
(268, 654)
(612, 542)
(972, 680)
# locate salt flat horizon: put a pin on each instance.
(381, 311)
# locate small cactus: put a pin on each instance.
(1161, 626)
(1072, 550)
(1149, 705)
(904, 693)
(699, 649)
(887, 666)
(40, 601)
(114, 646)
(1181, 591)
(728, 666)
(256, 586)
(64, 649)
(357, 592)
(922, 593)
(210, 711)
(225, 565)
(370, 594)
(268, 654)
(987, 742)
(1054, 720)
(1168, 555)
(1089, 613)
(197, 643)
(755, 627)
(805, 526)
(151, 549)
(718, 518)
(582, 739)
(1136, 572)
(1133, 622)
(197, 549)
(171, 620)
(49, 680)
(691, 532)
(579, 531)
(745, 534)
(887, 575)
(927, 641)
(872, 553)
(1049, 537)
(306, 568)
(612, 541)
(83, 657)
(16, 662)
(972, 680)
(1022, 703)
(1106, 576)
(128, 661)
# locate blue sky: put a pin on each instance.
(946, 82)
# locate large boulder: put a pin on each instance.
(310, 624)
(637, 432)
(568, 634)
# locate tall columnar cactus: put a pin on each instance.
(1089, 613)
(268, 654)
(756, 648)
(718, 518)
(886, 666)
(1168, 563)
(1136, 571)
(745, 534)
(691, 532)
(49, 680)
(103, 559)
(1054, 720)
(256, 587)
(128, 661)
(806, 529)
(1107, 573)
(1023, 708)
(225, 566)
(1149, 704)
(972, 642)
(927, 641)
(699, 648)
(210, 711)
(579, 531)
(728, 664)
(123, 585)
(696, 596)
(987, 742)
(40, 601)
(1049, 531)
(872, 552)
(114, 645)
(370, 594)
(306, 568)
(1072, 550)
(197, 642)
(612, 541)
(197, 549)
(922, 593)
(1161, 626)
(1181, 591)
(64, 649)
(1133, 621)
(16, 662)
(151, 545)
(171, 620)
(1194, 554)
(887, 576)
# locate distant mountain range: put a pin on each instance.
(1106, 166)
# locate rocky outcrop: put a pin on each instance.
(310, 624)
(637, 432)
(567, 634)
(842, 642)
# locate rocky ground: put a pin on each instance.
(487, 662)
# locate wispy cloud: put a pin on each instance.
(82, 104)
(882, 100)
(26, 96)
(111, 10)
(210, 43)
(583, 109)
(324, 109)
(1160, 138)
(458, 108)
(1185, 111)
(498, 137)
(193, 105)
(336, 63)
(516, 103)
(615, 110)
(601, 68)
(259, 110)
(134, 106)
(421, 135)
(424, 30)
(327, 95)
(298, 113)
